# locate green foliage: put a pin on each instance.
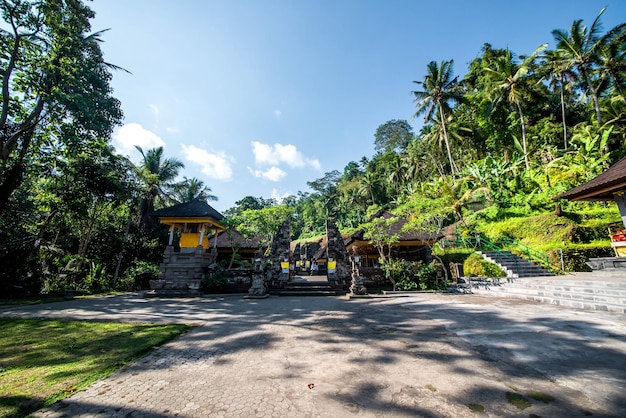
(493, 153)
(215, 281)
(138, 276)
(378, 232)
(394, 135)
(476, 266)
(264, 223)
(408, 275)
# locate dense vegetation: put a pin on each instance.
(496, 147)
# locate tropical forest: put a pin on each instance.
(495, 148)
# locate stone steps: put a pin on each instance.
(308, 288)
(514, 265)
(585, 291)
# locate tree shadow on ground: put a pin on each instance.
(405, 356)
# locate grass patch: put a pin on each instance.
(431, 388)
(476, 407)
(517, 400)
(43, 361)
(539, 396)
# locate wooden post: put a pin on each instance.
(171, 240)
(620, 199)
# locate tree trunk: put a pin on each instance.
(521, 116)
(445, 137)
(11, 180)
(563, 114)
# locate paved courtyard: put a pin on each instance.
(424, 355)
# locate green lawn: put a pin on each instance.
(42, 361)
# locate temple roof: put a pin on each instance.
(224, 239)
(195, 209)
(396, 228)
(601, 187)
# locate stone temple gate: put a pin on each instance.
(282, 260)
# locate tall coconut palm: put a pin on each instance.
(191, 189)
(439, 90)
(580, 47)
(612, 59)
(158, 175)
(560, 77)
(514, 82)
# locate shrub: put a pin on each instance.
(476, 266)
(138, 276)
(216, 280)
(410, 275)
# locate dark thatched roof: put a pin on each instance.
(194, 209)
(396, 228)
(224, 240)
(601, 187)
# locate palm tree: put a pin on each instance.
(514, 82)
(367, 185)
(580, 47)
(158, 174)
(612, 59)
(191, 189)
(439, 89)
(561, 77)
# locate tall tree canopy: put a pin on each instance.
(394, 135)
(55, 83)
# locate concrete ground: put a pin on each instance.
(424, 355)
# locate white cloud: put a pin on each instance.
(279, 197)
(214, 165)
(154, 109)
(271, 174)
(133, 134)
(278, 153)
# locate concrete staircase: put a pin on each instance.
(308, 288)
(603, 291)
(514, 265)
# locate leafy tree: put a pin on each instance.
(86, 197)
(264, 223)
(378, 233)
(351, 171)
(394, 135)
(55, 83)
(249, 203)
(439, 90)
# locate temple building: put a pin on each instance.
(193, 226)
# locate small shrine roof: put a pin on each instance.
(601, 187)
(195, 209)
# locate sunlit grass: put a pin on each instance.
(42, 361)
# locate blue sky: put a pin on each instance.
(259, 97)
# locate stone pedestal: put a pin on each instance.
(356, 285)
(257, 290)
(181, 273)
